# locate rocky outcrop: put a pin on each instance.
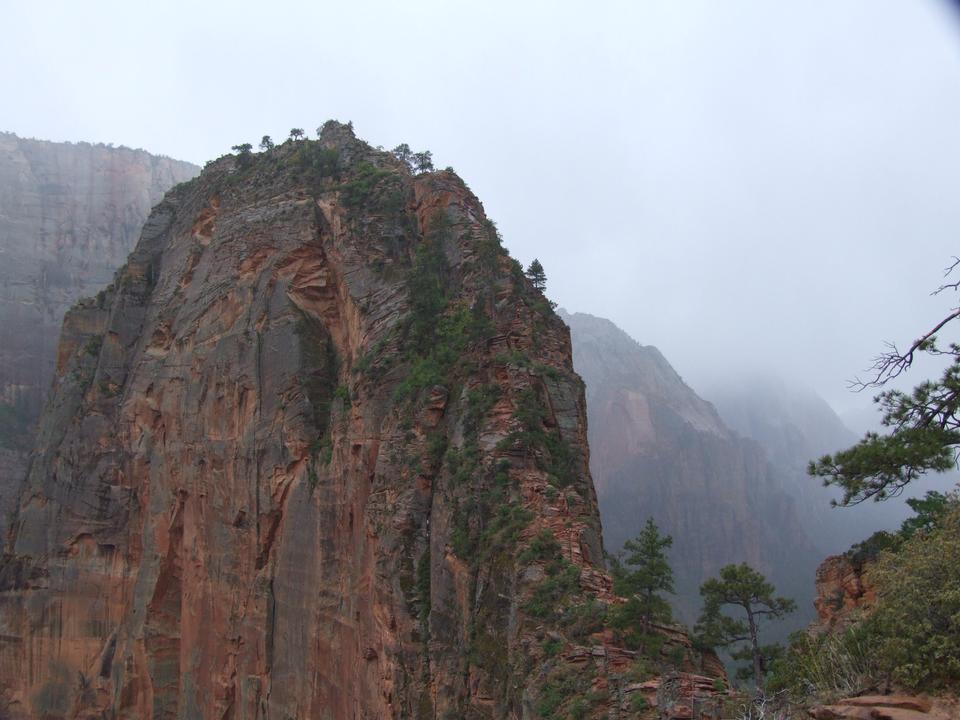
(845, 593)
(660, 450)
(888, 707)
(69, 215)
(318, 451)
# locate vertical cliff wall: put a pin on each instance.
(319, 451)
(69, 215)
(660, 450)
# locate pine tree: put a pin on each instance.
(536, 275)
(651, 572)
(924, 424)
(243, 154)
(266, 143)
(644, 573)
(403, 153)
(742, 587)
(296, 133)
(423, 161)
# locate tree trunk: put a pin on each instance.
(755, 646)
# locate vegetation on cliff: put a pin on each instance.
(910, 638)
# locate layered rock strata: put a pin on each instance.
(319, 451)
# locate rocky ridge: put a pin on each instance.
(318, 451)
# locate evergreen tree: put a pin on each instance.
(648, 575)
(536, 275)
(296, 133)
(403, 153)
(924, 424)
(423, 161)
(243, 154)
(741, 587)
(266, 143)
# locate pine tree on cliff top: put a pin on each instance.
(536, 275)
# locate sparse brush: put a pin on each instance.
(829, 666)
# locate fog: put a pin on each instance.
(744, 184)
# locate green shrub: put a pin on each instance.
(918, 607)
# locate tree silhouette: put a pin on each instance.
(742, 587)
(536, 275)
(924, 424)
(423, 161)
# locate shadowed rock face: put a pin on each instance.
(660, 450)
(294, 461)
(69, 215)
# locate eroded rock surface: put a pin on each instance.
(888, 707)
(844, 593)
(69, 215)
(318, 452)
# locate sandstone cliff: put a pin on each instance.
(318, 451)
(845, 593)
(660, 450)
(69, 215)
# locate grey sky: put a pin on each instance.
(737, 182)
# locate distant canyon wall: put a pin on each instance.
(659, 450)
(69, 215)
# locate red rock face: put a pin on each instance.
(844, 593)
(255, 495)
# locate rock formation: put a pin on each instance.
(845, 593)
(888, 707)
(660, 450)
(318, 451)
(69, 215)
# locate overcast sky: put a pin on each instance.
(740, 183)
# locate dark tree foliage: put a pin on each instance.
(403, 153)
(741, 587)
(929, 513)
(266, 143)
(423, 161)
(536, 275)
(296, 133)
(243, 154)
(924, 424)
(643, 574)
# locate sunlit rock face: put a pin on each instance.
(69, 215)
(258, 492)
(659, 450)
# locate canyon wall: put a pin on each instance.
(69, 215)
(659, 450)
